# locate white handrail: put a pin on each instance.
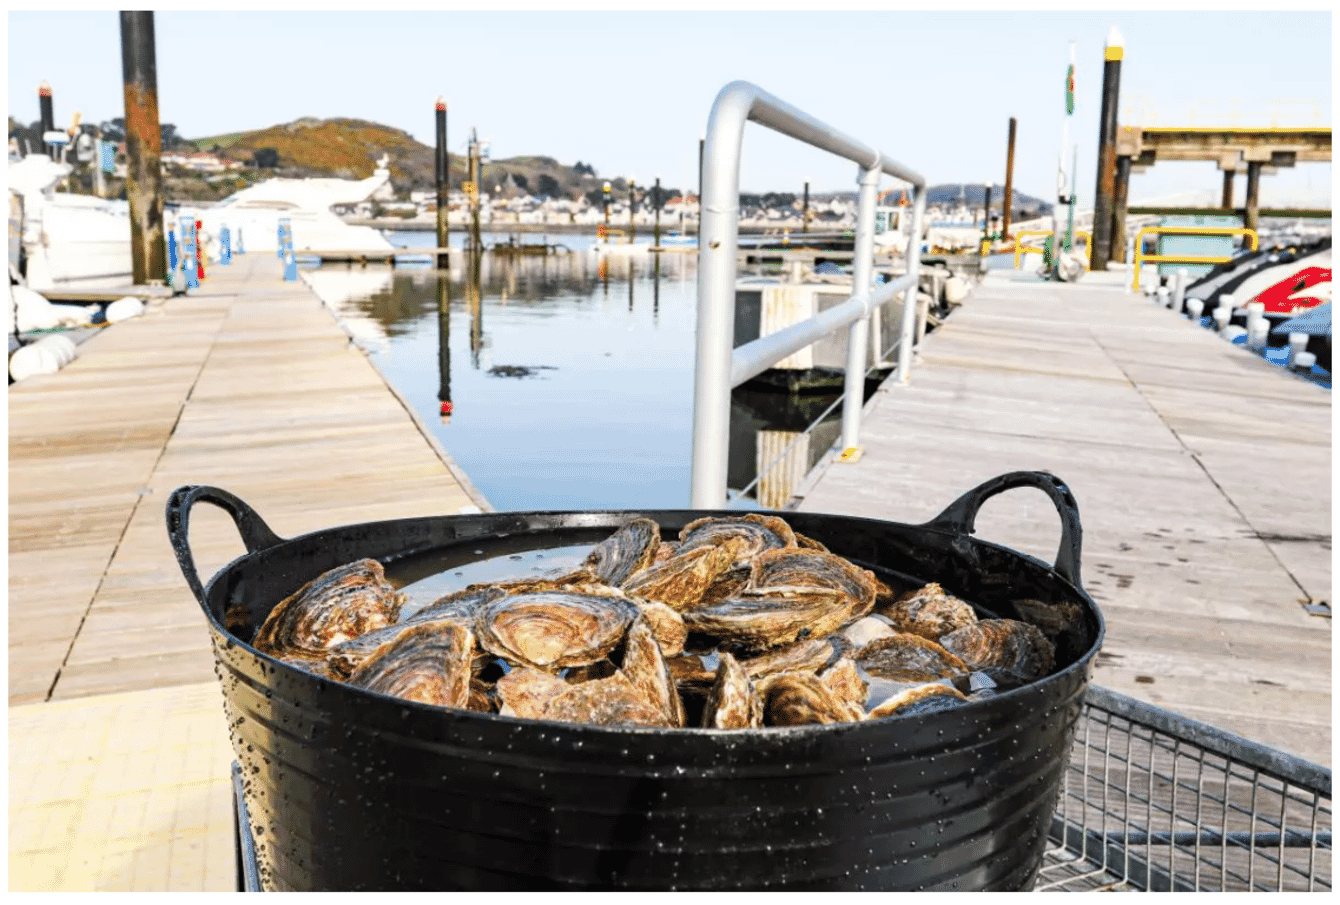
(719, 366)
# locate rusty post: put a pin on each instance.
(1103, 193)
(1227, 200)
(1253, 212)
(144, 147)
(1009, 183)
(443, 159)
(1121, 186)
(44, 107)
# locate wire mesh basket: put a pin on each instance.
(1155, 801)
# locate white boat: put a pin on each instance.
(305, 203)
(67, 240)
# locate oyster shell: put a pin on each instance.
(526, 692)
(679, 582)
(628, 551)
(645, 668)
(844, 679)
(909, 658)
(666, 624)
(733, 702)
(867, 629)
(308, 664)
(427, 663)
(697, 671)
(747, 535)
(337, 605)
(809, 543)
(919, 700)
(458, 608)
(1005, 644)
(553, 629)
(793, 594)
(798, 699)
(930, 612)
(605, 702)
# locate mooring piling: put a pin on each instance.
(144, 144)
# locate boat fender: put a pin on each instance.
(956, 290)
(32, 361)
(1234, 334)
(124, 308)
(61, 346)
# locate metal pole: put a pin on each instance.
(858, 333)
(656, 203)
(476, 175)
(1009, 182)
(1104, 191)
(144, 169)
(909, 324)
(986, 216)
(443, 159)
(805, 210)
(607, 210)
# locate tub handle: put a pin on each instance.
(256, 535)
(960, 515)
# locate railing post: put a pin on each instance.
(717, 234)
(910, 300)
(859, 332)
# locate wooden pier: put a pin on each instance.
(119, 748)
(1202, 474)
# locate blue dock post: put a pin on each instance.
(225, 246)
(286, 250)
(188, 256)
(172, 258)
(282, 238)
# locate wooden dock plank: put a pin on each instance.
(1202, 475)
(251, 386)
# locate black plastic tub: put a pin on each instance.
(351, 790)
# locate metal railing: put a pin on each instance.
(1142, 258)
(719, 367)
(1021, 249)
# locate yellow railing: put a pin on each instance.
(1020, 248)
(1142, 258)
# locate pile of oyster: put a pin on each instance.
(743, 623)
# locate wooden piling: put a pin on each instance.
(1252, 216)
(1227, 200)
(45, 112)
(443, 159)
(144, 168)
(1121, 184)
(805, 210)
(656, 203)
(1105, 190)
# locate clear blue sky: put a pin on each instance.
(630, 93)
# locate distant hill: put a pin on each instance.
(349, 148)
(974, 193)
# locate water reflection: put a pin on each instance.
(570, 399)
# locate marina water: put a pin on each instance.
(569, 376)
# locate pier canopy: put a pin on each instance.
(1231, 148)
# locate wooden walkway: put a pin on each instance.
(248, 384)
(1202, 473)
